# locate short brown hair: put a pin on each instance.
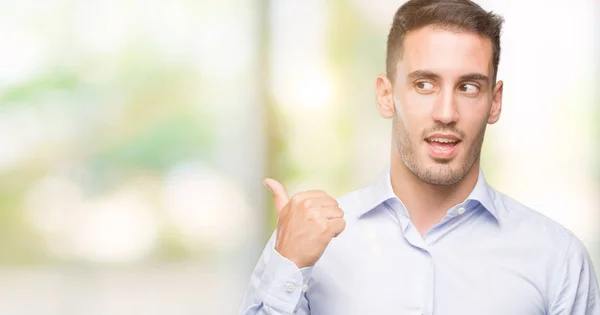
(461, 15)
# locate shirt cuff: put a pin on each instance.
(283, 284)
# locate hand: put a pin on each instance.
(306, 223)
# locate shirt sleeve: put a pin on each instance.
(276, 286)
(577, 287)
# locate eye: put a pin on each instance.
(424, 87)
(469, 89)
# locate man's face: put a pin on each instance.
(444, 98)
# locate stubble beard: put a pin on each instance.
(442, 173)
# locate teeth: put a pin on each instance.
(442, 140)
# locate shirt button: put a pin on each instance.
(461, 210)
(305, 288)
(289, 287)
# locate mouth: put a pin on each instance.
(442, 146)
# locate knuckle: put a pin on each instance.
(318, 192)
(306, 204)
(331, 199)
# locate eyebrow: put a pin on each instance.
(474, 77)
(426, 74)
(423, 74)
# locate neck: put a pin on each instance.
(427, 204)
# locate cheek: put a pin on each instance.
(473, 120)
(414, 112)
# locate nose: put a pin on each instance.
(445, 109)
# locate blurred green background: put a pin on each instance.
(134, 137)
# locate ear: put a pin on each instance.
(496, 103)
(385, 97)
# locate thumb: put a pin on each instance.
(279, 193)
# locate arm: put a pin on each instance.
(306, 223)
(577, 286)
(276, 286)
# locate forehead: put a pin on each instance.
(446, 52)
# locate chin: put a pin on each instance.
(443, 172)
(439, 177)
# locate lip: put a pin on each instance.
(440, 153)
(448, 136)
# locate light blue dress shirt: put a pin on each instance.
(489, 255)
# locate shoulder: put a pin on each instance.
(514, 214)
(562, 257)
(355, 202)
(534, 226)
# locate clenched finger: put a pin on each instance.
(336, 226)
(331, 212)
(323, 201)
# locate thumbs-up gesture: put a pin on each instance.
(306, 223)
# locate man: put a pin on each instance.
(430, 236)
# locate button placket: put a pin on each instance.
(427, 302)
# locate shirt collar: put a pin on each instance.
(381, 190)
